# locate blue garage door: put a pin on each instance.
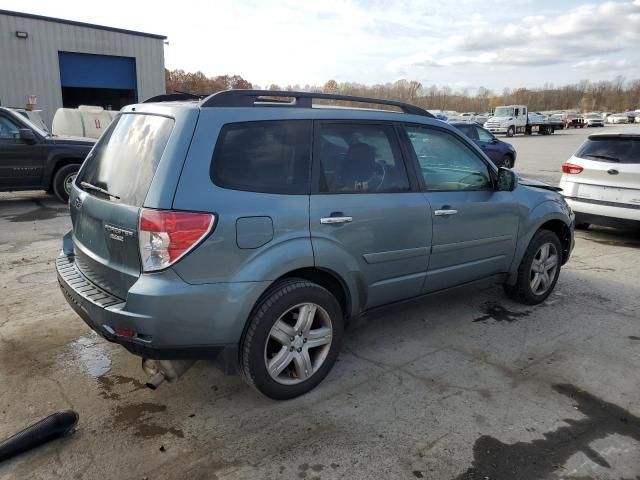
(97, 71)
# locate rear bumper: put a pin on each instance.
(595, 208)
(171, 318)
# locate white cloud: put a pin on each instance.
(495, 44)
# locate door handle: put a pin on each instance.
(335, 220)
(444, 213)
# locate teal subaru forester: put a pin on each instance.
(247, 226)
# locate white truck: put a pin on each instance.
(512, 119)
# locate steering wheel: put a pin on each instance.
(383, 168)
(469, 179)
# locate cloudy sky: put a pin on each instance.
(463, 44)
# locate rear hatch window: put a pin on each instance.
(611, 149)
(105, 226)
(126, 157)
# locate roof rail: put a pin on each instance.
(174, 97)
(250, 98)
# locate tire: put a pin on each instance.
(511, 132)
(63, 179)
(526, 290)
(264, 342)
(507, 161)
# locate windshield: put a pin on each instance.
(41, 129)
(503, 112)
(125, 159)
(594, 116)
(612, 149)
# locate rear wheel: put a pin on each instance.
(539, 269)
(63, 181)
(293, 339)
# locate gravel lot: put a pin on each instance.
(463, 385)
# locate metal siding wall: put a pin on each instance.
(30, 67)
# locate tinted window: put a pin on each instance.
(446, 163)
(359, 158)
(270, 157)
(483, 135)
(8, 129)
(468, 130)
(619, 150)
(125, 159)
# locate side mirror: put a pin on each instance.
(27, 135)
(494, 140)
(507, 180)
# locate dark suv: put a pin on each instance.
(32, 159)
(246, 227)
(501, 153)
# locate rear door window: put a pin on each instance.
(359, 158)
(125, 159)
(614, 149)
(266, 156)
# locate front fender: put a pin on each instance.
(546, 211)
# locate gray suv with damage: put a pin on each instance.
(247, 227)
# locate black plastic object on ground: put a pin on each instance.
(54, 426)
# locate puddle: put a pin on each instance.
(138, 416)
(43, 212)
(89, 354)
(541, 457)
(108, 382)
(495, 311)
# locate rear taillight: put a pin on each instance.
(571, 168)
(165, 236)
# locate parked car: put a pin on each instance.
(574, 120)
(593, 120)
(601, 181)
(618, 118)
(501, 153)
(32, 159)
(248, 230)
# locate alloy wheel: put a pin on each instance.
(543, 268)
(68, 182)
(298, 343)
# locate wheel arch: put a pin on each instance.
(546, 216)
(56, 164)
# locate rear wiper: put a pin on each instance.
(89, 186)
(603, 157)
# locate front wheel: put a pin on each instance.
(293, 339)
(511, 131)
(539, 269)
(63, 181)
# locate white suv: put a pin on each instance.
(601, 181)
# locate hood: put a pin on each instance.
(68, 140)
(529, 182)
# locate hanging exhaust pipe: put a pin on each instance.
(161, 370)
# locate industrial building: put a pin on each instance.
(52, 63)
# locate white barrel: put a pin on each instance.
(84, 121)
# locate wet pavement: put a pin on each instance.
(463, 385)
